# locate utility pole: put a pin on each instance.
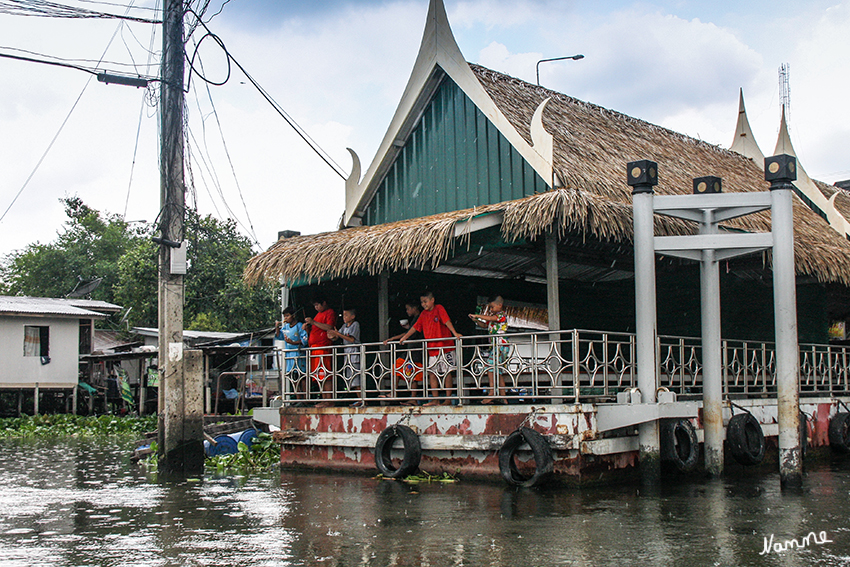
(180, 406)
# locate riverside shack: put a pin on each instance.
(485, 184)
(41, 342)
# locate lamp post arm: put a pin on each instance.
(573, 57)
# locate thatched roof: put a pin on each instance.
(591, 146)
(422, 243)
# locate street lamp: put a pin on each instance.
(573, 57)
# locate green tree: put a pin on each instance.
(137, 284)
(89, 246)
(94, 244)
(216, 299)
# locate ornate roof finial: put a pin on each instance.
(806, 186)
(744, 142)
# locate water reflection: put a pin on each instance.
(78, 503)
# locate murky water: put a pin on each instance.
(74, 503)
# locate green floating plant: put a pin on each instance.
(68, 425)
(263, 454)
(423, 476)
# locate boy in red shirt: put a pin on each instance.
(321, 360)
(434, 323)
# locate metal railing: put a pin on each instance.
(569, 366)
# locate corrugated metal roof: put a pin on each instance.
(49, 306)
(92, 304)
(208, 335)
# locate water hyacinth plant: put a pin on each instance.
(66, 425)
(262, 454)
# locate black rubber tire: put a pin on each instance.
(679, 444)
(745, 439)
(839, 433)
(412, 451)
(544, 460)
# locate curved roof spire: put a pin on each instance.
(438, 54)
(806, 186)
(744, 142)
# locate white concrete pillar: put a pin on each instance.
(642, 175)
(787, 349)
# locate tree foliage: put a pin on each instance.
(89, 246)
(216, 299)
(94, 244)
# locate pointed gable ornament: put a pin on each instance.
(439, 51)
(744, 142)
(807, 187)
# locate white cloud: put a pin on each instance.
(496, 56)
(341, 71)
(501, 14)
(820, 81)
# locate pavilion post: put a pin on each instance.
(384, 307)
(553, 298)
(781, 170)
(642, 176)
(712, 397)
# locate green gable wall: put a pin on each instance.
(454, 158)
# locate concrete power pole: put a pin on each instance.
(181, 392)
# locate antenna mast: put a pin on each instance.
(785, 91)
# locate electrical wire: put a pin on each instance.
(78, 62)
(117, 5)
(215, 183)
(250, 227)
(68, 66)
(61, 127)
(278, 108)
(192, 181)
(149, 50)
(49, 146)
(295, 126)
(223, 4)
(41, 8)
(54, 63)
(151, 54)
(45, 9)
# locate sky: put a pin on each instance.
(339, 67)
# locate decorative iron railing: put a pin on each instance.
(555, 366)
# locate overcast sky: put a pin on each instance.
(339, 68)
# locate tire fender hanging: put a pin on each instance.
(543, 458)
(839, 433)
(412, 451)
(745, 439)
(679, 444)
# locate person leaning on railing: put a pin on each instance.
(294, 338)
(321, 359)
(496, 323)
(408, 364)
(434, 323)
(349, 334)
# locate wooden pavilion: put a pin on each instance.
(487, 184)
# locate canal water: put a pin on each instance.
(75, 503)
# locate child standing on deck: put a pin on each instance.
(434, 323)
(496, 323)
(294, 338)
(321, 359)
(408, 365)
(349, 334)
